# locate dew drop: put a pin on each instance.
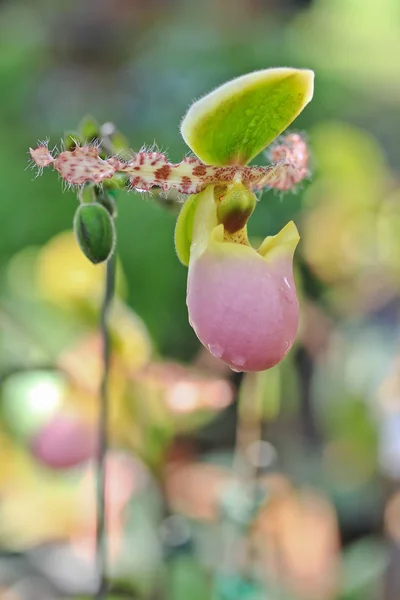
(287, 348)
(235, 370)
(239, 361)
(216, 350)
(287, 291)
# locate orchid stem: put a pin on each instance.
(101, 520)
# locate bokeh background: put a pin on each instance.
(219, 486)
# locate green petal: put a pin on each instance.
(184, 229)
(235, 122)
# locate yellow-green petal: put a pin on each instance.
(283, 242)
(184, 229)
(235, 122)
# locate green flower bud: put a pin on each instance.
(71, 140)
(89, 129)
(95, 232)
(235, 204)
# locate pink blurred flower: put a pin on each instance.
(64, 442)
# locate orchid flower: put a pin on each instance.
(241, 301)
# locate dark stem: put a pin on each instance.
(101, 521)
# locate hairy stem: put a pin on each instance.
(146, 170)
(101, 525)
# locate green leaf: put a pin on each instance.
(184, 229)
(89, 129)
(235, 122)
(363, 565)
(186, 578)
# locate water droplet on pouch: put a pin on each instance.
(216, 350)
(287, 291)
(287, 348)
(238, 363)
(235, 370)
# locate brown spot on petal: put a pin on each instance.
(162, 172)
(199, 171)
(185, 183)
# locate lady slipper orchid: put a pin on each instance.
(242, 302)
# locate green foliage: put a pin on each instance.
(89, 129)
(187, 579)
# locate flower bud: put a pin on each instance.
(71, 140)
(94, 231)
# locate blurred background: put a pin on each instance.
(218, 485)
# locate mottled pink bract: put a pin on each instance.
(242, 303)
